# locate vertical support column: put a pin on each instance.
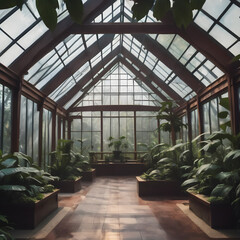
(135, 136)
(159, 133)
(54, 113)
(16, 104)
(233, 103)
(64, 126)
(101, 134)
(200, 118)
(59, 128)
(189, 123)
(40, 109)
(69, 127)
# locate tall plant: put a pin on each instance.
(171, 122)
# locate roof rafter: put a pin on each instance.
(76, 63)
(95, 80)
(112, 27)
(207, 45)
(170, 61)
(63, 100)
(153, 77)
(117, 108)
(142, 78)
(50, 39)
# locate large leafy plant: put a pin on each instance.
(4, 229)
(20, 180)
(168, 162)
(65, 163)
(217, 173)
(169, 119)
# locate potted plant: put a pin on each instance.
(171, 123)
(25, 191)
(118, 145)
(84, 168)
(63, 165)
(164, 175)
(214, 182)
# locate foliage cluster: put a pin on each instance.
(22, 182)
(67, 164)
(4, 229)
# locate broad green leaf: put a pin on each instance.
(17, 188)
(236, 58)
(75, 9)
(141, 8)
(3, 219)
(190, 182)
(223, 114)
(228, 177)
(238, 190)
(154, 172)
(224, 126)
(20, 3)
(224, 102)
(233, 159)
(9, 162)
(165, 160)
(197, 4)
(10, 171)
(4, 4)
(221, 190)
(47, 11)
(160, 8)
(182, 13)
(208, 168)
(211, 146)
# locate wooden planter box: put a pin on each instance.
(157, 188)
(68, 186)
(89, 175)
(215, 215)
(29, 216)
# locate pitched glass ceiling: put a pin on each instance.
(119, 87)
(19, 30)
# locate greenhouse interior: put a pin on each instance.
(122, 127)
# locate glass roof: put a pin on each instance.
(20, 29)
(221, 22)
(119, 87)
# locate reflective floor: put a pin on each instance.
(110, 209)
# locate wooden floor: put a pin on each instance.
(109, 209)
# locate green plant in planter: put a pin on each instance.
(63, 161)
(118, 145)
(217, 173)
(66, 164)
(4, 229)
(22, 185)
(167, 162)
(172, 122)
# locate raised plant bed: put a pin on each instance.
(157, 188)
(68, 186)
(218, 215)
(28, 216)
(89, 176)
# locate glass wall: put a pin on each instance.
(29, 128)
(5, 118)
(194, 123)
(211, 109)
(146, 129)
(46, 138)
(115, 124)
